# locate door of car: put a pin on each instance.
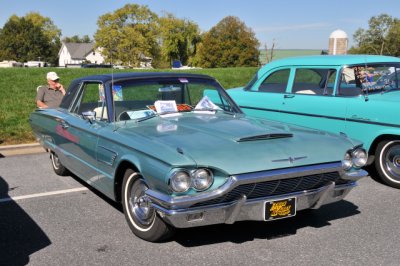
(370, 100)
(88, 116)
(265, 98)
(311, 100)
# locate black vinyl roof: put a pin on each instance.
(138, 75)
(107, 78)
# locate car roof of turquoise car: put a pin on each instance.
(329, 60)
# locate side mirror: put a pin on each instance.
(89, 116)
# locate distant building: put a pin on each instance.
(78, 53)
(338, 42)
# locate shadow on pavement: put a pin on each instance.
(373, 174)
(112, 203)
(20, 236)
(241, 232)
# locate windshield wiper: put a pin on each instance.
(215, 110)
(206, 110)
(146, 118)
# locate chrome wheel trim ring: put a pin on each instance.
(390, 158)
(140, 213)
(55, 161)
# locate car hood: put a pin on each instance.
(235, 144)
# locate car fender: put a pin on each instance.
(381, 135)
(149, 167)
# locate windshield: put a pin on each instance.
(369, 78)
(141, 99)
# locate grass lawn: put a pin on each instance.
(18, 91)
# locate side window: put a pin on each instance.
(314, 81)
(275, 82)
(90, 99)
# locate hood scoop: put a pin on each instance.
(265, 137)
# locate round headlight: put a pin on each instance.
(359, 157)
(347, 162)
(180, 181)
(202, 179)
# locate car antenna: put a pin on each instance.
(112, 89)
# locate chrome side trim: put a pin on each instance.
(113, 155)
(186, 201)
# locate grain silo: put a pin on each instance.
(338, 42)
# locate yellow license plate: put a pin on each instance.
(279, 209)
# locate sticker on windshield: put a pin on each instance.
(117, 93)
(183, 80)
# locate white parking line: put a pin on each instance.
(44, 194)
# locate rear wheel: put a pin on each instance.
(58, 168)
(141, 216)
(387, 162)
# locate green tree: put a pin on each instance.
(52, 32)
(22, 41)
(49, 30)
(378, 38)
(128, 34)
(228, 44)
(393, 38)
(77, 39)
(179, 38)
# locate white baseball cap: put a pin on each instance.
(52, 76)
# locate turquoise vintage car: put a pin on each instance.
(354, 94)
(177, 152)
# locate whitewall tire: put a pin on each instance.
(141, 216)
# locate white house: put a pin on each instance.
(78, 53)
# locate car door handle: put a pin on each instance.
(64, 125)
(287, 96)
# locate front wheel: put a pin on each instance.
(58, 168)
(387, 162)
(142, 218)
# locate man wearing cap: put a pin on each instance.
(50, 95)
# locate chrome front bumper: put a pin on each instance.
(178, 212)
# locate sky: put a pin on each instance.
(290, 24)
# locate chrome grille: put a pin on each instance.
(276, 187)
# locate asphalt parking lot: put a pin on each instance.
(46, 219)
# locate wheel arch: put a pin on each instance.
(380, 138)
(119, 177)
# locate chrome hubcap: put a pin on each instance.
(392, 161)
(139, 204)
(56, 161)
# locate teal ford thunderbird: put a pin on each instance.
(177, 152)
(355, 94)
